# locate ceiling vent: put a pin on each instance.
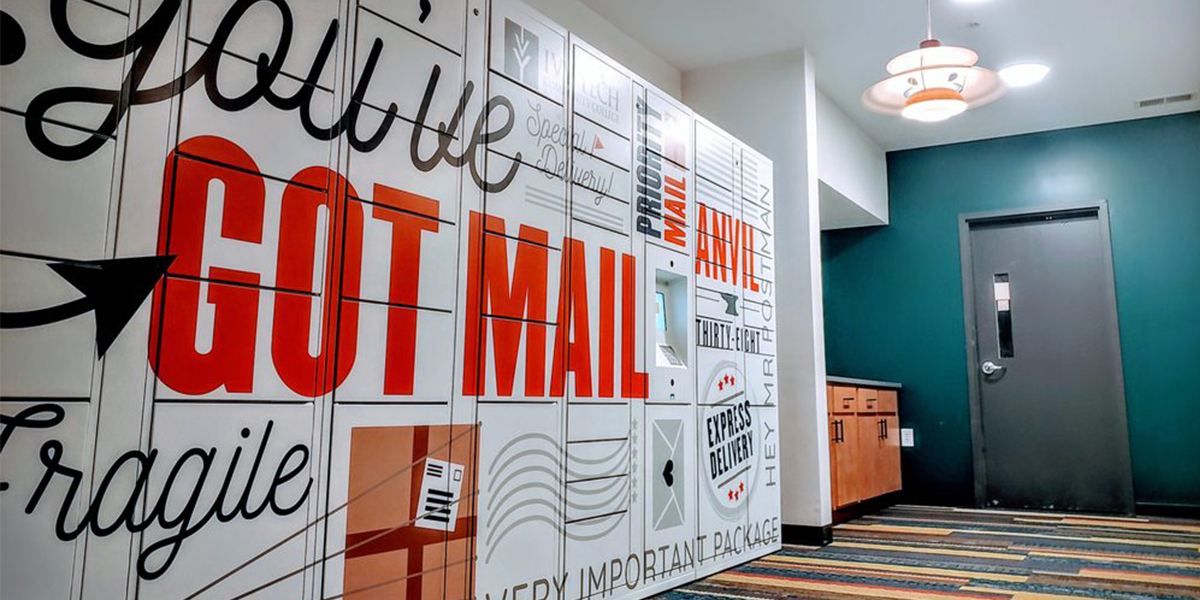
(1161, 100)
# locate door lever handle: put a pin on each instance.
(990, 368)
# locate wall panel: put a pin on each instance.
(316, 298)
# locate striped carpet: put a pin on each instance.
(925, 552)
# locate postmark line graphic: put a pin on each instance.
(537, 453)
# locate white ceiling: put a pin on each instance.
(1104, 55)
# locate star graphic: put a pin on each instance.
(720, 385)
(731, 494)
(732, 380)
(741, 487)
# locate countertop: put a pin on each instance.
(862, 382)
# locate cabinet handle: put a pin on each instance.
(839, 430)
(883, 429)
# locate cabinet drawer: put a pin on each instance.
(887, 401)
(868, 400)
(844, 399)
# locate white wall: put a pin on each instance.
(853, 171)
(594, 29)
(769, 102)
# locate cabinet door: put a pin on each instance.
(849, 488)
(834, 490)
(833, 448)
(870, 455)
(890, 453)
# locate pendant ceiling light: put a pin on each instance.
(934, 82)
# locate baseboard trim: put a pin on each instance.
(807, 535)
(866, 507)
(1162, 509)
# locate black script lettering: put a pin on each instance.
(40, 416)
(469, 154)
(181, 524)
(144, 43)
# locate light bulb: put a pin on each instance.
(933, 105)
(1024, 74)
(933, 111)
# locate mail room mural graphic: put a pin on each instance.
(425, 300)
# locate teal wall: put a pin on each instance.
(893, 295)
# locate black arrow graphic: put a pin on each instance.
(113, 288)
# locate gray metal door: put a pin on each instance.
(1047, 389)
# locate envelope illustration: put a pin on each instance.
(667, 492)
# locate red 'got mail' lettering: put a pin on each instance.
(319, 285)
(520, 300)
(234, 294)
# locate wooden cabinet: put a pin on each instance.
(864, 442)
